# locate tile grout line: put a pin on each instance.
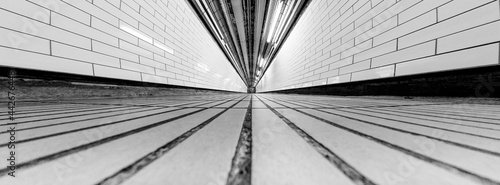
(132, 169)
(493, 153)
(54, 156)
(408, 115)
(241, 167)
(348, 170)
(449, 167)
(62, 117)
(96, 126)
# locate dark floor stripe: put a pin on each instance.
(387, 112)
(50, 109)
(138, 165)
(83, 147)
(417, 124)
(421, 125)
(451, 168)
(92, 127)
(441, 112)
(241, 165)
(70, 112)
(342, 165)
(79, 115)
(452, 118)
(161, 104)
(421, 114)
(82, 120)
(493, 153)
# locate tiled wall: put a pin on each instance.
(353, 40)
(159, 41)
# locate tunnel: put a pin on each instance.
(241, 92)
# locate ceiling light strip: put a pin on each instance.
(274, 21)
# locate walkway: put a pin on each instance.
(253, 139)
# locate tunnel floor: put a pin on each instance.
(253, 139)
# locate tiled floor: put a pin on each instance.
(253, 139)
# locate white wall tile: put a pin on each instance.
(456, 7)
(114, 51)
(29, 26)
(135, 49)
(75, 53)
(63, 8)
(479, 56)
(22, 41)
(137, 67)
(476, 36)
(152, 63)
(473, 18)
(110, 72)
(82, 29)
(355, 67)
(29, 60)
(388, 37)
(418, 51)
(374, 73)
(28, 9)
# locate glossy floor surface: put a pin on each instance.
(253, 139)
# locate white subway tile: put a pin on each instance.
(115, 3)
(418, 51)
(470, 19)
(319, 82)
(114, 51)
(151, 47)
(375, 73)
(456, 7)
(330, 73)
(339, 79)
(108, 28)
(23, 41)
(129, 11)
(82, 29)
(376, 51)
(135, 49)
(406, 28)
(75, 53)
(164, 60)
(65, 9)
(29, 60)
(175, 82)
(476, 36)
(165, 73)
(357, 49)
(110, 72)
(25, 25)
(94, 11)
(136, 67)
(355, 67)
(154, 79)
(420, 8)
(341, 63)
(117, 13)
(28, 9)
(152, 63)
(475, 57)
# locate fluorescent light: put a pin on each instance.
(163, 47)
(282, 23)
(274, 20)
(136, 33)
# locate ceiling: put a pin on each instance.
(249, 31)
